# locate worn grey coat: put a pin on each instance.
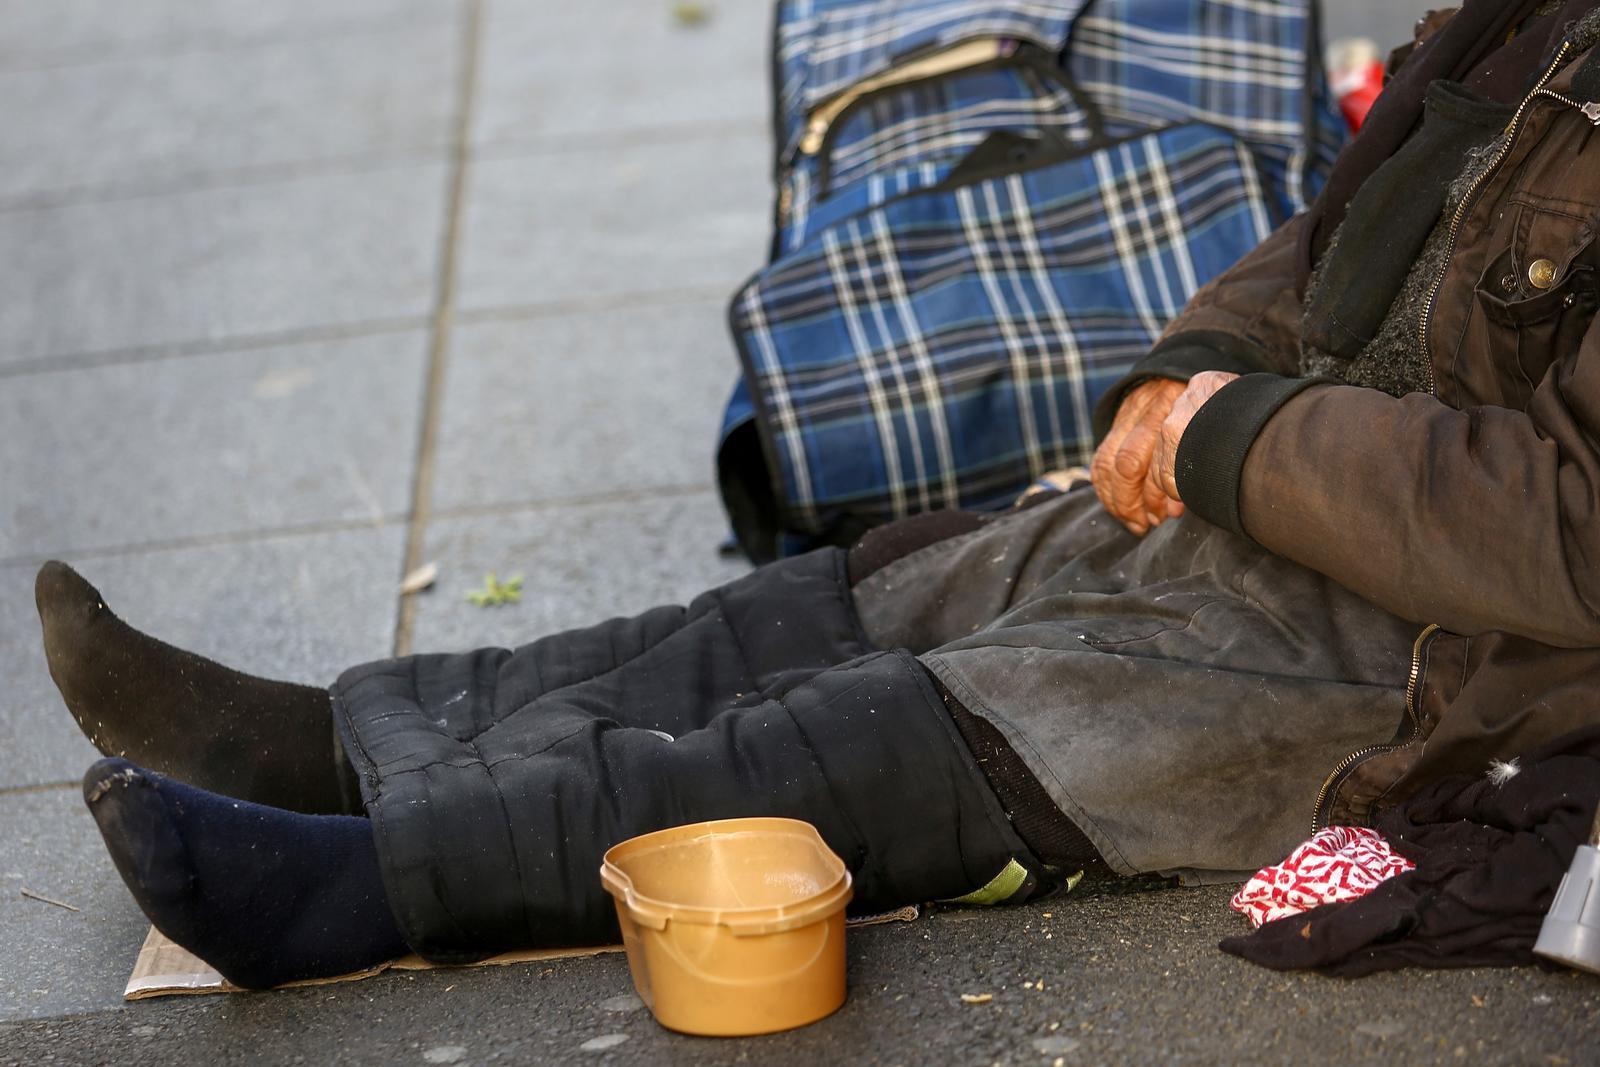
(1183, 698)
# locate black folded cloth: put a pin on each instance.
(1490, 853)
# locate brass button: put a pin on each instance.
(1541, 273)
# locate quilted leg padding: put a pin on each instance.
(496, 779)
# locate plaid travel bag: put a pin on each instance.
(986, 211)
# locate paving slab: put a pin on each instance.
(163, 119)
(68, 31)
(198, 446)
(214, 265)
(1128, 978)
(573, 404)
(58, 962)
(599, 224)
(580, 564)
(298, 608)
(597, 71)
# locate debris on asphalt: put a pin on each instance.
(1056, 1046)
(603, 1042)
(625, 1002)
(691, 13)
(31, 895)
(495, 592)
(976, 998)
(418, 580)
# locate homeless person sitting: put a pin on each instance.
(1342, 540)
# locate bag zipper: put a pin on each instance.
(1467, 201)
(1022, 57)
(956, 57)
(1361, 755)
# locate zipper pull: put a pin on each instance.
(1591, 111)
(816, 132)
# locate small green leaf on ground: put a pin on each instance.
(496, 592)
(691, 13)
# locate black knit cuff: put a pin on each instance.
(1179, 357)
(1212, 453)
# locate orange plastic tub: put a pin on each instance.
(732, 927)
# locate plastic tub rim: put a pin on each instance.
(655, 913)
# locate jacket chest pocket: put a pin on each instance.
(1536, 298)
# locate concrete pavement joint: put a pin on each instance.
(530, 145)
(37, 787)
(69, 361)
(98, 55)
(182, 183)
(618, 496)
(283, 533)
(587, 305)
(237, 537)
(438, 353)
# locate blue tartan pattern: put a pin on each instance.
(928, 352)
(929, 335)
(825, 46)
(897, 142)
(1244, 65)
(1238, 64)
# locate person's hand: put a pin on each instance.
(1164, 469)
(1121, 468)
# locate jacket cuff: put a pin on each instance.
(1179, 357)
(1212, 452)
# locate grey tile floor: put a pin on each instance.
(294, 295)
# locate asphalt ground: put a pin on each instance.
(1114, 973)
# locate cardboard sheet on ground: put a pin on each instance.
(164, 969)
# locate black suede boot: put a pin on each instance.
(181, 714)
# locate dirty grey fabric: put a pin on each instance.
(1182, 697)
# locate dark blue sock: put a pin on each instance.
(265, 896)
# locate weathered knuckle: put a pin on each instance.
(1128, 466)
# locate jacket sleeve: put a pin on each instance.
(1480, 519)
(1246, 319)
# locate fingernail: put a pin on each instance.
(1152, 518)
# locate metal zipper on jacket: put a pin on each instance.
(1591, 110)
(1472, 191)
(1360, 755)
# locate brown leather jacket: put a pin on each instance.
(1474, 509)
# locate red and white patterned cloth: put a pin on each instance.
(1340, 863)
